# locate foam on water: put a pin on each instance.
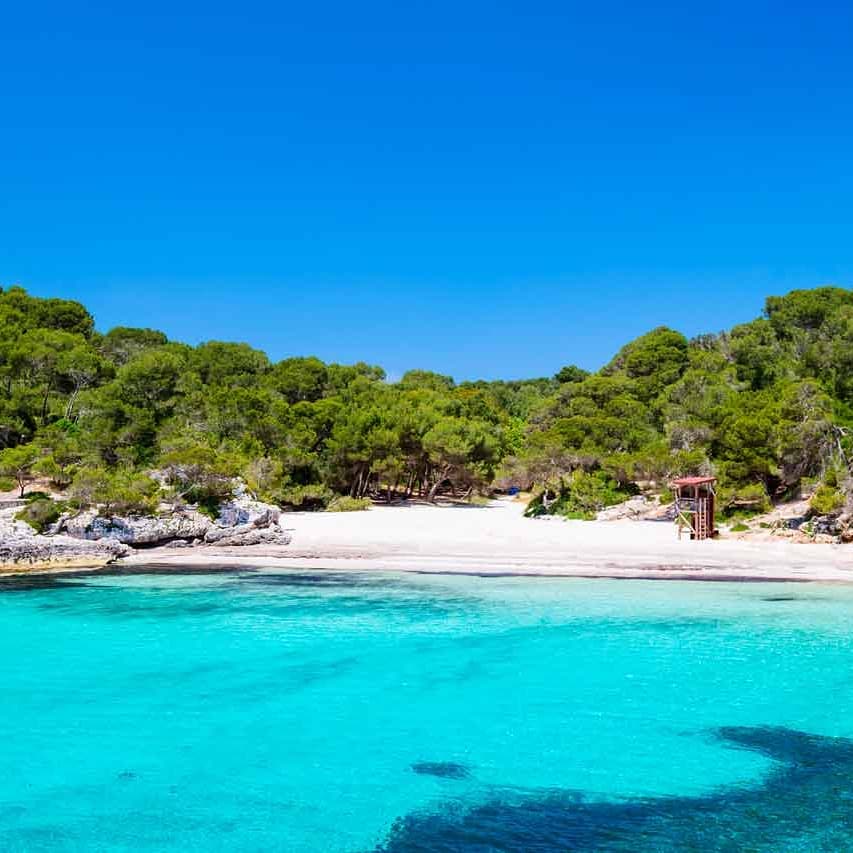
(325, 711)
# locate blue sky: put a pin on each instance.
(485, 189)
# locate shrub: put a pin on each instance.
(117, 493)
(739, 527)
(199, 474)
(580, 497)
(348, 504)
(743, 501)
(18, 462)
(60, 475)
(478, 500)
(826, 500)
(41, 513)
(210, 506)
(307, 498)
(6, 484)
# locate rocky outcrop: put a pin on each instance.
(839, 525)
(90, 540)
(37, 552)
(247, 534)
(637, 508)
(139, 531)
(245, 521)
(243, 510)
(22, 549)
(241, 521)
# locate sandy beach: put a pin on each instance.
(497, 539)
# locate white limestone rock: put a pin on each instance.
(247, 534)
(138, 530)
(243, 509)
(634, 508)
(22, 549)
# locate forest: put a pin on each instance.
(120, 417)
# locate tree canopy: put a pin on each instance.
(764, 406)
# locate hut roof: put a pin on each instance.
(693, 481)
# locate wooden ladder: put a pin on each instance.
(701, 518)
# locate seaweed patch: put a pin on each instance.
(442, 769)
(806, 796)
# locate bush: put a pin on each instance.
(41, 513)
(31, 497)
(210, 506)
(199, 474)
(739, 527)
(60, 475)
(6, 484)
(347, 504)
(305, 498)
(826, 500)
(116, 493)
(743, 501)
(478, 500)
(581, 497)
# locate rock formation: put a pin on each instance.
(91, 540)
(241, 521)
(22, 549)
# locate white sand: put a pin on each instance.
(497, 539)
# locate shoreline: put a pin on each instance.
(496, 540)
(221, 563)
(491, 541)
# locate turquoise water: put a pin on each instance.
(321, 711)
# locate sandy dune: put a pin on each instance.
(497, 539)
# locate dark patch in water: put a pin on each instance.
(122, 569)
(31, 583)
(317, 579)
(780, 598)
(806, 799)
(127, 776)
(303, 675)
(442, 769)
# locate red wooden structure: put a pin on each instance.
(694, 505)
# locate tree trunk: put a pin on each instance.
(44, 402)
(355, 490)
(442, 478)
(69, 408)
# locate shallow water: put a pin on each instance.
(322, 711)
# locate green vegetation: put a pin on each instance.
(120, 492)
(18, 463)
(742, 501)
(41, 513)
(764, 406)
(826, 500)
(581, 495)
(344, 503)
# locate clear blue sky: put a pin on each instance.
(485, 189)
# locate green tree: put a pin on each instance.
(225, 364)
(653, 360)
(123, 343)
(299, 379)
(18, 463)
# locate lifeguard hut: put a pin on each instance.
(695, 500)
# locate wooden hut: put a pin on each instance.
(694, 505)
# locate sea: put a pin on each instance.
(266, 710)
